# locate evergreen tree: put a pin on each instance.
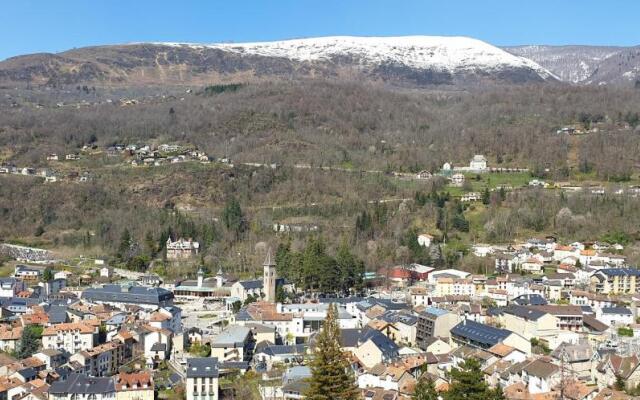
(425, 390)
(331, 376)
(125, 244)
(233, 218)
(497, 394)
(47, 275)
(29, 342)
(150, 244)
(467, 382)
(283, 260)
(503, 193)
(486, 196)
(351, 269)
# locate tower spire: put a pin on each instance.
(267, 259)
(269, 278)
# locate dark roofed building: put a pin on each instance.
(530, 300)
(202, 378)
(526, 313)
(146, 297)
(82, 385)
(202, 367)
(483, 336)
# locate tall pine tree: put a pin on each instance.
(467, 382)
(331, 376)
(425, 390)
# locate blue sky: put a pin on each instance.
(28, 26)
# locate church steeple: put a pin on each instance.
(269, 278)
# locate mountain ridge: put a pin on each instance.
(415, 61)
(586, 65)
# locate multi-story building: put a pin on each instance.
(434, 322)
(181, 248)
(72, 337)
(568, 318)
(529, 322)
(615, 280)
(27, 273)
(458, 287)
(102, 360)
(202, 378)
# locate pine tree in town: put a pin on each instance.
(331, 376)
(467, 382)
(425, 390)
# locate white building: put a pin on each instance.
(202, 378)
(478, 163)
(425, 240)
(72, 337)
(9, 287)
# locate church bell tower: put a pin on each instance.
(269, 279)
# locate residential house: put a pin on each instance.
(82, 387)
(375, 348)
(72, 336)
(425, 239)
(135, 386)
(615, 315)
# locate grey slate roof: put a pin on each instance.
(128, 294)
(83, 384)
(527, 313)
(530, 300)
(394, 316)
(159, 347)
(202, 367)
(254, 284)
(387, 346)
(480, 333)
(273, 350)
(234, 335)
(57, 314)
(616, 310)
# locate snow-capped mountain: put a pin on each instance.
(450, 54)
(413, 61)
(588, 65)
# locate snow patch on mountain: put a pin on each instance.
(447, 54)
